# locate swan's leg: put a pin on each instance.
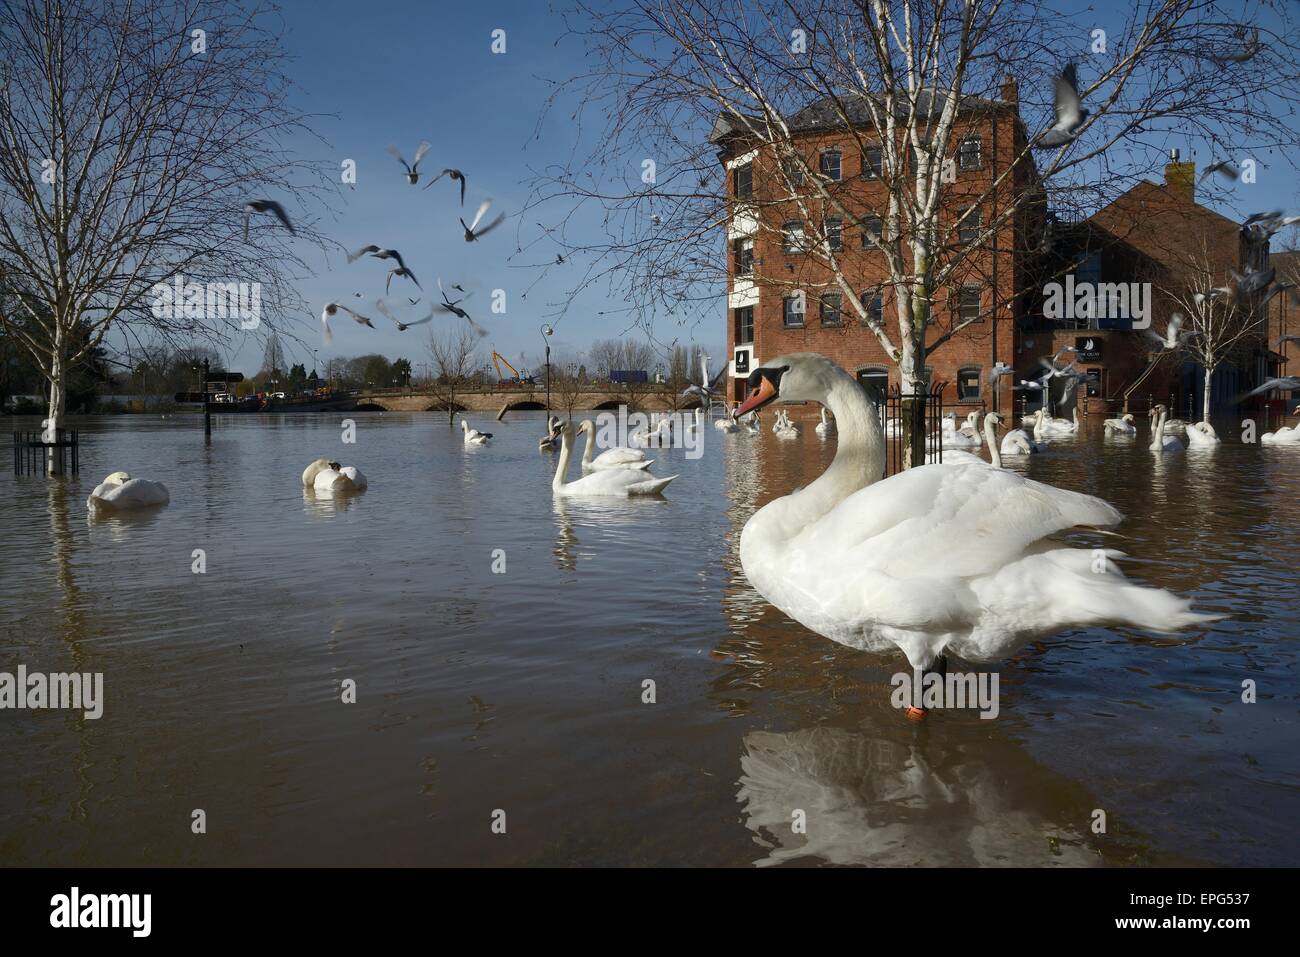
(937, 667)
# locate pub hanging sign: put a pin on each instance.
(1087, 348)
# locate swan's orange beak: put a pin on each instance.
(760, 396)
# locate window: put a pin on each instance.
(873, 162)
(968, 229)
(968, 303)
(792, 237)
(793, 171)
(744, 176)
(744, 256)
(792, 311)
(830, 164)
(872, 229)
(875, 379)
(830, 309)
(969, 152)
(968, 384)
(744, 318)
(834, 230)
(874, 303)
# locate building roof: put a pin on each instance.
(825, 113)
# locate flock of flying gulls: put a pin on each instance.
(474, 230)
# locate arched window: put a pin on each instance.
(875, 379)
(968, 384)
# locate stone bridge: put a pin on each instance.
(517, 400)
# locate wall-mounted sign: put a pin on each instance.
(741, 361)
(1087, 348)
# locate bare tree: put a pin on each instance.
(131, 136)
(902, 82)
(565, 384)
(1214, 328)
(455, 366)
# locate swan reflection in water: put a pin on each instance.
(901, 798)
(609, 517)
(322, 502)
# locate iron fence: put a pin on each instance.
(32, 453)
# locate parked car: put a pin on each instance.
(223, 397)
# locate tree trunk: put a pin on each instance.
(1205, 393)
(911, 380)
(58, 399)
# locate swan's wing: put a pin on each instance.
(620, 456)
(948, 520)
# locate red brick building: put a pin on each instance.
(1143, 235)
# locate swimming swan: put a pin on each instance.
(120, 492)
(326, 476)
(616, 458)
(620, 482)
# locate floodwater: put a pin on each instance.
(522, 692)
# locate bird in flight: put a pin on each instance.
(456, 176)
(1070, 114)
(413, 169)
(1174, 336)
(332, 309)
(401, 326)
(401, 271)
(266, 206)
(472, 232)
(453, 306)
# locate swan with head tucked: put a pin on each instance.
(727, 423)
(326, 476)
(1121, 426)
(119, 492)
(615, 458)
(826, 427)
(1050, 427)
(605, 482)
(1017, 442)
(1201, 435)
(1159, 441)
(1286, 435)
(949, 556)
(474, 436)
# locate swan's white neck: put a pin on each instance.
(561, 467)
(586, 450)
(859, 459)
(991, 437)
(1159, 441)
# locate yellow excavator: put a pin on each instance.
(514, 378)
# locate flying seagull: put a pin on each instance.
(453, 306)
(332, 309)
(1174, 336)
(1225, 168)
(1027, 386)
(706, 387)
(412, 170)
(1286, 382)
(998, 371)
(1280, 287)
(1261, 226)
(401, 326)
(1070, 114)
(1255, 281)
(1218, 292)
(266, 206)
(1249, 46)
(470, 231)
(401, 271)
(456, 176)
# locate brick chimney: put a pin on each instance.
(1010, 91)
(1180, 178)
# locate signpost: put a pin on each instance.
(209, 378)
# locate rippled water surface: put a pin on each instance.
(522, 691)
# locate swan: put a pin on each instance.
(1058, 427)
(620, 482)
(551, 440)
(751, 424)
(1201, 435)
(1017, 442)
(934, 558)
(1159, 441)
(1175, 425)
(826, 427)
(120, 492)
(727, 423)
(966, 437)
(474, 436)
(662, 430)
(1286, 435)
(783, 427)
(616, 458)
(326, 476)
(1121, 426)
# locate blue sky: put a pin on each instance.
(399, 71)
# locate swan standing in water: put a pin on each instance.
(474, 436)
(1121, 426)
(620, 482)
(617, 458)
(826, 427)
(1159, 441)
(326, 476)
(937, 557)
(119, 492)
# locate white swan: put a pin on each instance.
(605, 482)
(966, 437)
(727, 423)
(661, 431)
(937, 557)
(750, 426)
(1121, 426)
(616, 458)
(474, 436)
(326, 476)
(826, 427)
(1054, 427)
(783, 427)
(1017, 442)
(551, 440)
(1159, 441)
(1286, 435)
(119, 492)
(1177, 426)
(1201, 435)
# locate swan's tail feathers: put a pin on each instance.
(642, 465)
(650, 487)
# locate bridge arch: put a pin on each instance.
(441, 405)
(526, 405)
(610, 404)
(372, 405)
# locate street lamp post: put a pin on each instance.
(547, 331)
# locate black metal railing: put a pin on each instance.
(925, 406)
(32, 452)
